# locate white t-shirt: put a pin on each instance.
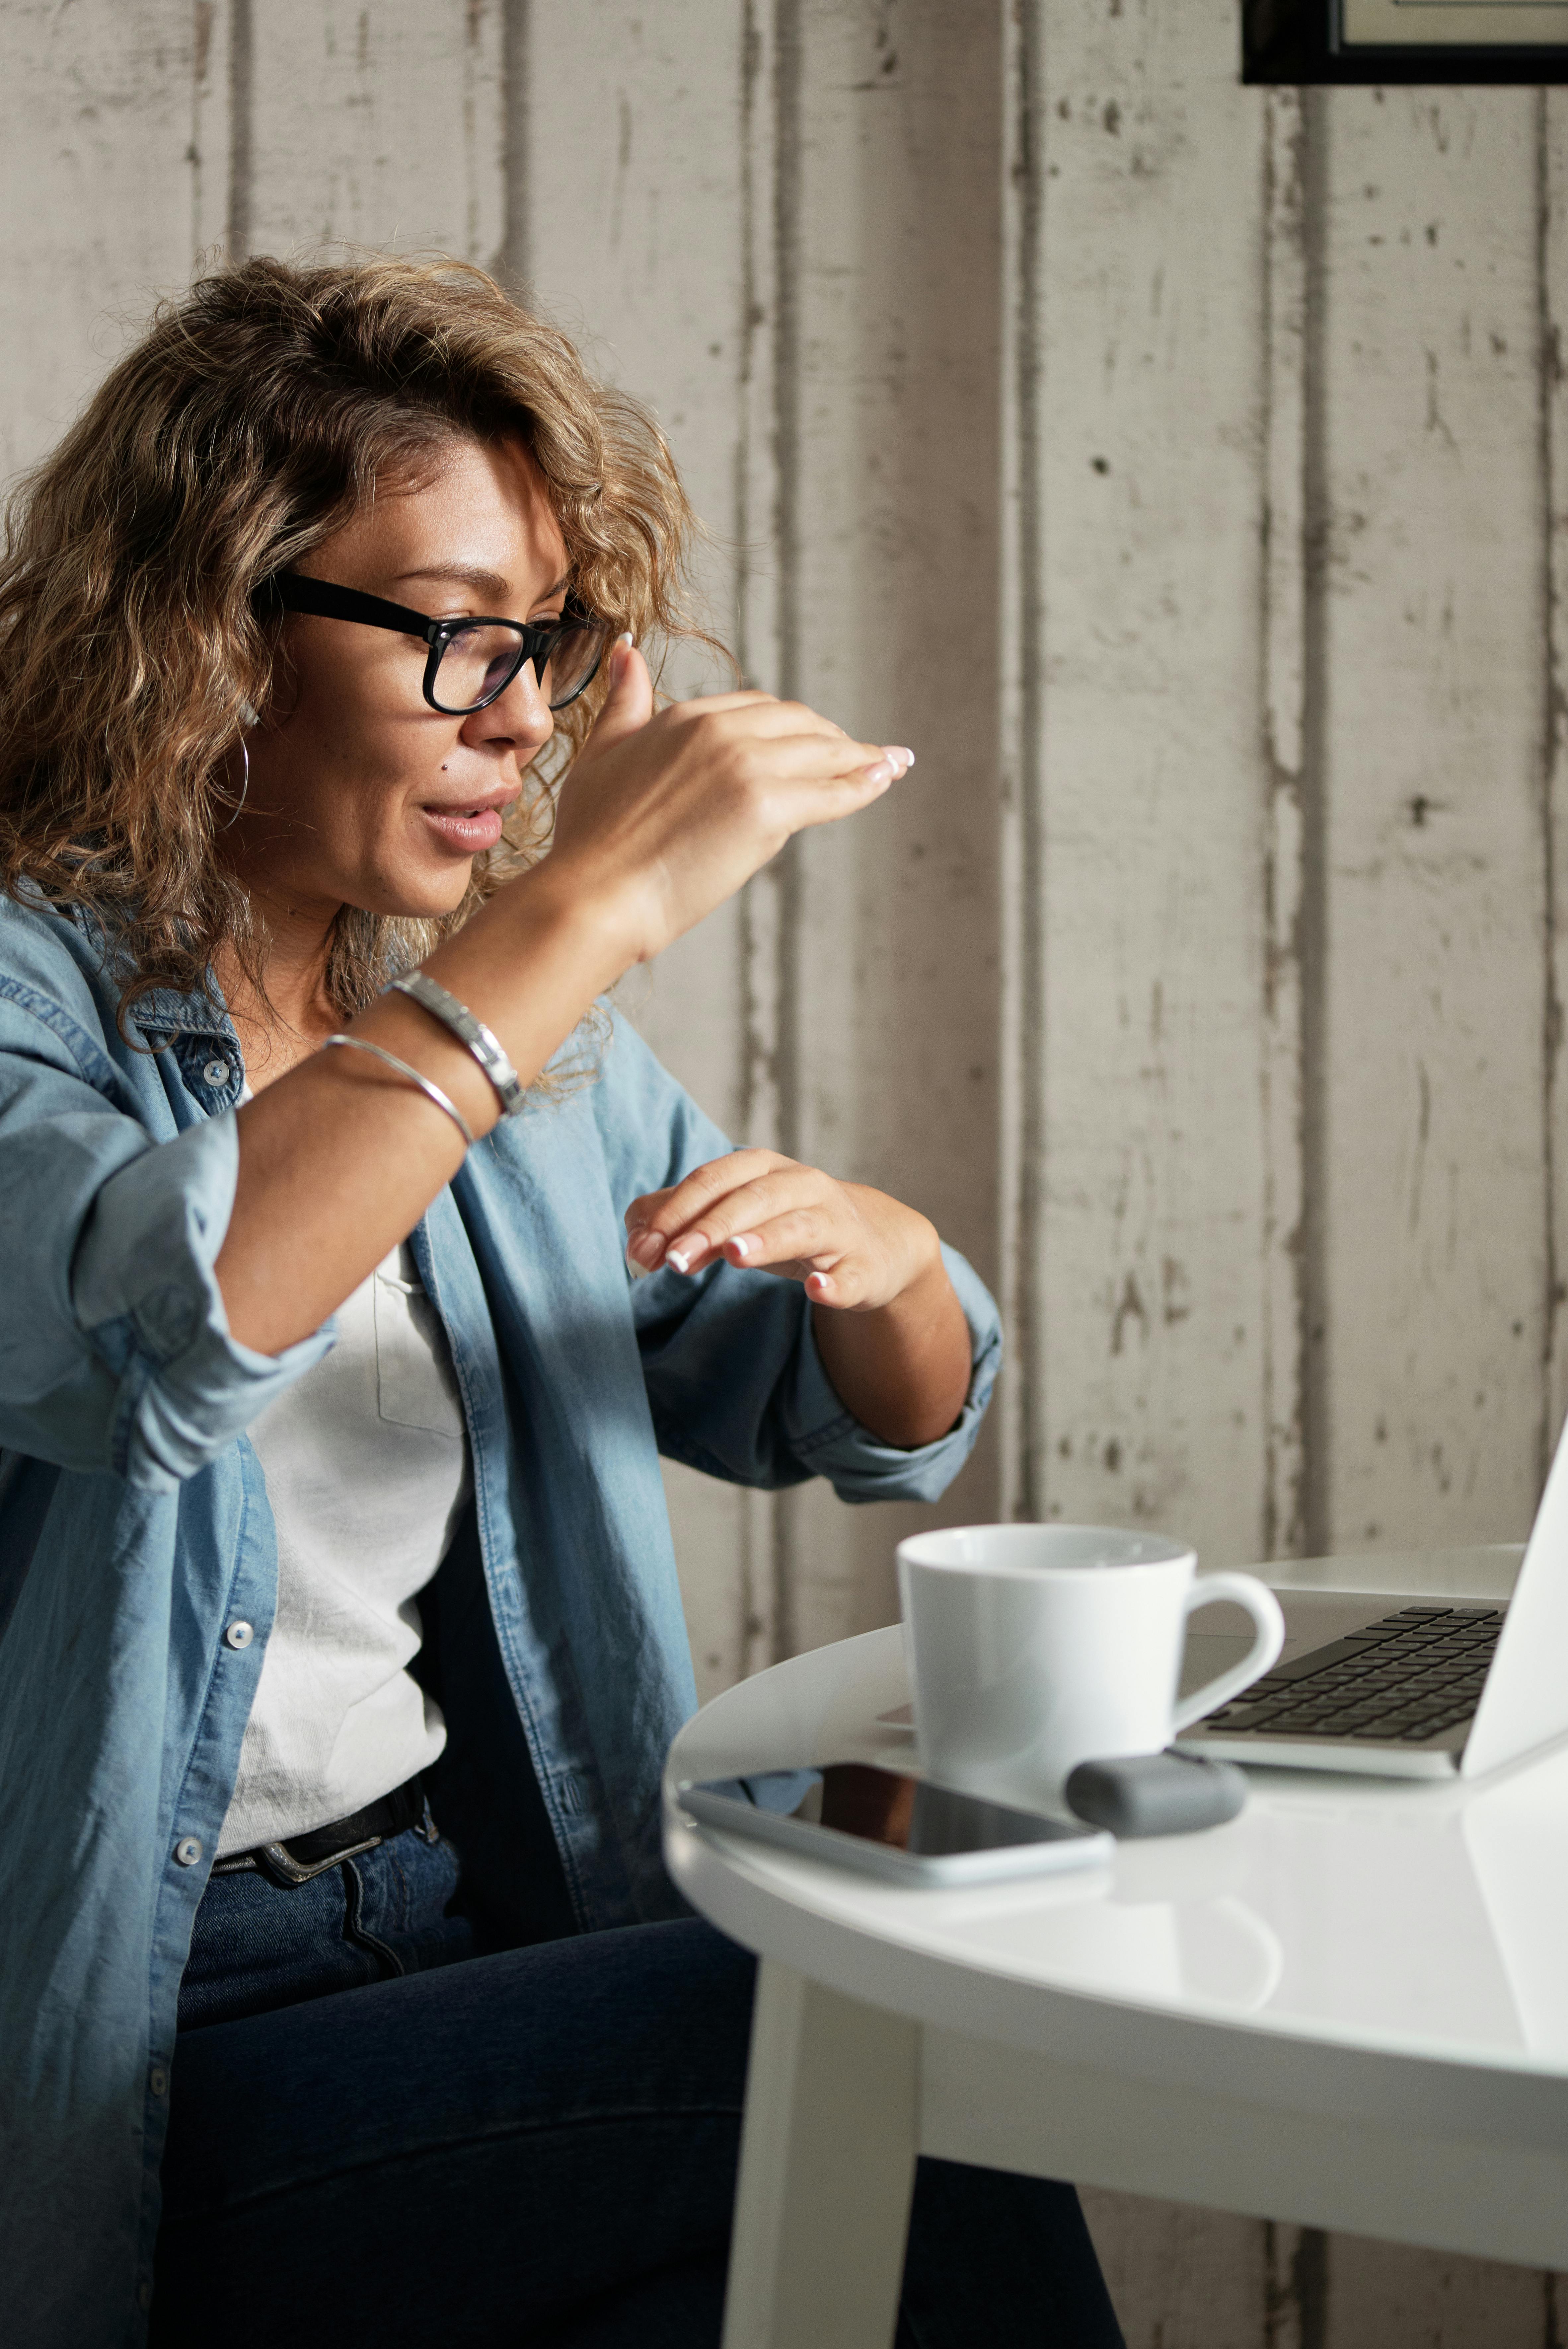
(366, 1461)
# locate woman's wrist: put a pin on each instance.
(903, 1366)
(606, 920)
(529, 965)
(398, 1024)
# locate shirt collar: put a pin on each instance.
(164, 1013)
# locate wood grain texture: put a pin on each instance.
(1385, 2296)
(1551, 279)
(374, 126)
(1189, 2279)
(1018, 1410)
(1328, 1253)
(1179, 2278)
(1435, 1213)
(642, 199)
(890, 1021)
(96, 193)
(1289, 933)
(1155, 1312)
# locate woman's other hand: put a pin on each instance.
(663, 816)
(889, 1329)
(853, 1248)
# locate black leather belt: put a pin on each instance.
(304, 1856)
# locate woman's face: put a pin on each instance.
(360, 793)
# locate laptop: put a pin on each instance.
(1400, 1687)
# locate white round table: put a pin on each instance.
(1348, 2008)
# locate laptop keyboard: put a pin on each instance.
(1400, 1680)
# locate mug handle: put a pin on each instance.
(1264, 1610)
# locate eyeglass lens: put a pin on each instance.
(478, 661)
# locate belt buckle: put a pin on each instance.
(276, 1860)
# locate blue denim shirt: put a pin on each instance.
(134, 1529)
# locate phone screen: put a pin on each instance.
(884, 1807)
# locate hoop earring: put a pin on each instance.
(244, 786)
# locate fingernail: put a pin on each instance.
(907, 756)
(683, 1256)
(646, 1249)
(882, 771)
(625, 637)
(743, 1244)
(817, 1284)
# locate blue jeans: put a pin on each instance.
(534, 2145)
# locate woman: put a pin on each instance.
(342, 1983)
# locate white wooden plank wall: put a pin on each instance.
(1178, 469)
(1553, 228)
(1284, 734)
(367, 126)
(891, 982)
(1432, 1270)
(640, 195)
(769, 222)
(1147, 1044)
(98, 194)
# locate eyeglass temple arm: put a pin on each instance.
(296, 593)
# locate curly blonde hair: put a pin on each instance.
(252, 421)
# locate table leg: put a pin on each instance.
(827, 2164)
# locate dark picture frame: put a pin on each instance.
(1295, 42)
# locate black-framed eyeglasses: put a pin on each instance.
(470, 662)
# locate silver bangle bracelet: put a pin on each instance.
(433, 1093)
(469, 1031)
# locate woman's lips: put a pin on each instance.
(468, 830)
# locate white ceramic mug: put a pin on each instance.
(1035, 1648)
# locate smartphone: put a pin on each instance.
(884, 1823)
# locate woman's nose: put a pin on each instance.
(520, 715)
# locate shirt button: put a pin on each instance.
(215, 1073)
(238, 1635)
(157, 2081)
(188, 1851)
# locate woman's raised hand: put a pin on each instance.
(662, 817)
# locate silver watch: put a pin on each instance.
(480, 1041)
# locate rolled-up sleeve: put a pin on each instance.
(115, 1350)
(737, 1387)
(146, 1296)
